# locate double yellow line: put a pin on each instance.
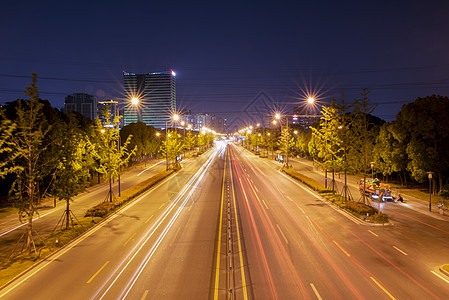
(217, 271)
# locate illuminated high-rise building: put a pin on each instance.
(154, 97)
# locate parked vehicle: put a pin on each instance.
(375, 189)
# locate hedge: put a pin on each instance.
(102, 209)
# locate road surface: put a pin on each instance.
(231, 226)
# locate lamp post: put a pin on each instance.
(372, 169)
(278, 117)
(430, 190)
(184, 137)
(166, 145)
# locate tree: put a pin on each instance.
(422, 127)
(107, 149)
(190, 140)
(29, 165)
(6, 151)
(171, 147)
(144, 139)
(361, 139)
(282, 143)
(72, 171)
(390, 154)
(327, 141)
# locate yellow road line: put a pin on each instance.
(383, 289)
(316, 291)
(400, 250)
(245, 292)
(176, 234)
(162, 205)
(129, 239)
(92, 278)
(217, 267)
(341, 248)
(144, 296)
(148, 219)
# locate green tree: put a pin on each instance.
(171, 147)
(7, 154)
(74, 162)
(326, 140)
(29, 165)
(422, 127)
(390, 154)
(111, 155)
(190, 140)
(282, 143)
(361, 138)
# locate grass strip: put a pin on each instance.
(358, 209)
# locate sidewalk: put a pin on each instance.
(308, 168)
(11, 222)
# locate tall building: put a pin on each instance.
(85, 104)
(156, 95)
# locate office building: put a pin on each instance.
(156, 98)
(85, 104)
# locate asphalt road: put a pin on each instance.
(11, 229)
(230, 226)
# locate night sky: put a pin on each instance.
(226, 53)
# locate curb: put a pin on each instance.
(444, 271)
(335, 207)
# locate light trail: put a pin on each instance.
(191, 184)
(147, 169)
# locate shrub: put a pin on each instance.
(360, 208)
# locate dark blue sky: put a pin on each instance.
(225, 53)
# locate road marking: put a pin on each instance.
(316, 291)
(266, 206)
(176, 235)
(341, 248)
(372, 233)
(440, 276)
(144, 296)
(217, 267)
(92, 278)
(148, 219)
(288, 197)
(129, 239)
(400, 250)
(162, 205)
(283, 235)
(383, 289)
(242, 266)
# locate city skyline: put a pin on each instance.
(225, 57)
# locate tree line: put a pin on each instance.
(348, 138)
(46, 153)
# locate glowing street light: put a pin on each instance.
(135, 101)
(311, 100)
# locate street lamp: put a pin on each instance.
(372, 169)
(430, 190)
(135, 102)
(175, 117)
